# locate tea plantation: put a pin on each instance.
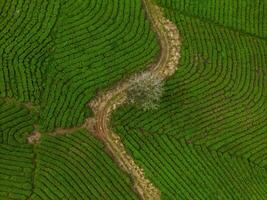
(188, 171)
(206, 141)
(58, 54)
(72, 166)
(16, 166)
(218, 95)
(76, 167)
(208, 138)
(55, 56)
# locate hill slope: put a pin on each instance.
(212, 117)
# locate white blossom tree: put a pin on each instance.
(145, 90)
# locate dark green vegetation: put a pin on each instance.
(76, 167)
(59, 167)
(208, 138)
(59, 53)
(16, 166)
(247, 16)
(183, 171)
(56, 55)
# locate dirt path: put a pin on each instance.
(102, 106)
(165, 65)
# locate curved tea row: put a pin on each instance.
(25, 44)
(247, 16)
(187, 171)
(217, 98)
(216, 101)
(60, 53)
(15, 156)
(76, 167)
(97, 43)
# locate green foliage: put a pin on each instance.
(59, 53)
(217, 97)
(15, 156)
(97, 42)
(186, 171)
(207, 140)
(76, 167)
(215, 105)
(56, 55)
(16, 171)
(62, 167)
(247, 16)
(25, 44)
(15, 123)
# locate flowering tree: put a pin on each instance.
(145, 90)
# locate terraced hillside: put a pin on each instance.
(25, 45)
(57, 167)
(58, 54)
(218, 95)
(207, 140)
(55, 56)
(76, 167)
(16, 166)
(214, 106)
(183, 171)
(96, 44)
(247, 16)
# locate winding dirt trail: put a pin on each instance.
(102, 106)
